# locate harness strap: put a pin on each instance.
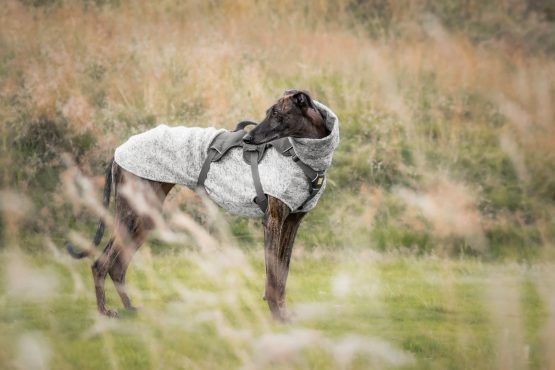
(206, 166)
(261, 200)
(218, 150)
(252, 154)
(315, 178)
(315, 187)
(243, 124)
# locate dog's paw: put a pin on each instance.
(282, 316)
(109, 313)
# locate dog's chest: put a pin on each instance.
(229, 182)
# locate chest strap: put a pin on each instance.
(284, 147)
(212, 153)
(315, 178)
(252, 154)
(220, 145)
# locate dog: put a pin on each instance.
(306, 124)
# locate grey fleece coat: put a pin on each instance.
(176, 155)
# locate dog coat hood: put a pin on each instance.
(176, 155)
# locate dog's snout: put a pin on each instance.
(248, 138)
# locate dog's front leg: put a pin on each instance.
(280, 228)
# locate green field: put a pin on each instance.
(432, 247)
(204, 311)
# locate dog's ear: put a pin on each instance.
(303, 100)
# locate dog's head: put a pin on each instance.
(294, 115)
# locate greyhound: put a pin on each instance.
(294, 115)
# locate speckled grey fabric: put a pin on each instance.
(167, 154)
(176, 155)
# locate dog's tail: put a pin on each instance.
(100, 228)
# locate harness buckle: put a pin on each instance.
(250, 147)
(318, 180)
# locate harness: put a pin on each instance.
(252, 155)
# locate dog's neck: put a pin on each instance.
(316, 131)
(317, 150)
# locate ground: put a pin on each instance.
(205, 311)
(431, 248)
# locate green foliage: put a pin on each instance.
(241, 231)
(533, 309)
(437, 311)
(412, 115)
(507, 241)
(390, 237)
(529, 24)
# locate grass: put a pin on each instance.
(431, 247)
(352, 312)
(452, 98)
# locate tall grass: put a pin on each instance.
(424, 103)
(447, 149)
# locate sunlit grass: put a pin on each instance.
(431, 248)
(377, 311)
(429, 103)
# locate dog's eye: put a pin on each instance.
(276, 116)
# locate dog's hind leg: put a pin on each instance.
(131, 229)
(126, 219)
(280, 229)
(120, 248)
(99, 270)
(119, 266)
(117, 273)
(137, 229)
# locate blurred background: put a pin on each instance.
(432, 246)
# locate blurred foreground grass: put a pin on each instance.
(447, 153)
(349, 312)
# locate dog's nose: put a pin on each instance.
(248, 138)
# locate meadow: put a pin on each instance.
(432, 246)
(205, 311)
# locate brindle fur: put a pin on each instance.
(130, 231)
(131, 227)
(280, 229)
